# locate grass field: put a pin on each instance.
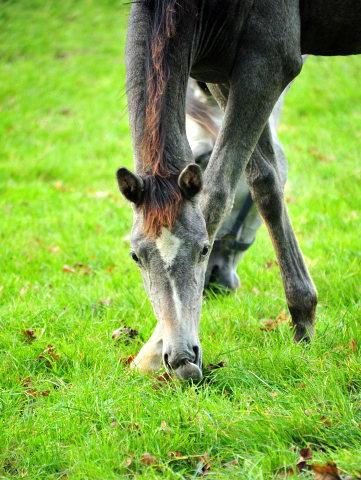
(80, 413)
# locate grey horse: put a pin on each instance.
(247, 53)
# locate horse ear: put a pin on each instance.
(190, 180)
(130, 185)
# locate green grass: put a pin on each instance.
(63, 134)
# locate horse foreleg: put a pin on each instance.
(267, 192)
(149, 359)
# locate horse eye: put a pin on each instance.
(134, 257)
(205, 250)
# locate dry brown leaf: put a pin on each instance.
(270, 264)
(288, 473)
(67, 269)
(163, 424)
(54, 249)
(123, 334)
(290, 199)
(268, 325)
(29, 335)
(352, 345)
(147, 459)
(212, 366)
(128, 462)
(305, 453)
(84, 269)
(110, 268)
(325, 421)
(292, 448)
(128, 361)
(162, 381)
(108, 302)
(283, 317)
(113, 423)
(328, 471)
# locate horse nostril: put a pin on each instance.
(196, 351)
(166, 360)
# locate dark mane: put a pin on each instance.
(162, 203)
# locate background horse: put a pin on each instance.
(247, 53)
(237, 233)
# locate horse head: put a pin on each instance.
(172, 260)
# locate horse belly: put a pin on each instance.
(330, 27)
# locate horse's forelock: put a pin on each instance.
(162, 203)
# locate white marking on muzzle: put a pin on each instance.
(176, 300)
(168, 246)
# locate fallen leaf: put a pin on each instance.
(162, 380)
(270, 264)
(163, 424)
(113, 423)
(66, 111)
(123, 334)
(268, 325)
(328, 471)
(67, 269)
(109, 269)
(27, 382)
(29, 335)
(128, 462)
(288, 473)
(212, 366)
(290, 199)
(325, 421)
(283, 317)
(108, 302)
(147, 459)
(54, 249)
(305, 453)
(292, 448)
(84, 269)
(128, 361)
(352, 345)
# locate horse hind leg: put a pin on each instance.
(267, 191)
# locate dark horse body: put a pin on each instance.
(247, 52)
